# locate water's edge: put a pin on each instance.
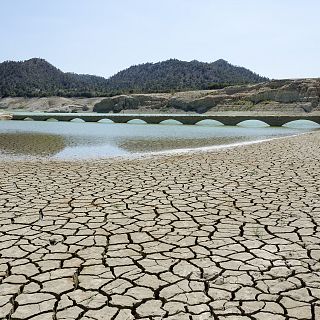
(156, 154)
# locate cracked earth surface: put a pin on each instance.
(228, 235)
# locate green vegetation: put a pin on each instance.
(38, 78)
(176, 75)
(218, 85)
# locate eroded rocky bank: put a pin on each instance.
(277, 96)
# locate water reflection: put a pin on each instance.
(31, 144)
(65, 140)
(152, 144)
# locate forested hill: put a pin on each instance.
(38, 78)
(181, 76)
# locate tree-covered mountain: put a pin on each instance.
(38, 78)
(181, 75)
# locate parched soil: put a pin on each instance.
(233, 234)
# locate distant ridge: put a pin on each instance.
(38, 78)
(179, 75)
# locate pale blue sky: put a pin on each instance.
(275, 38)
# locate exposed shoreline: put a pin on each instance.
(138, 156)
(206, 149)
(228, 234)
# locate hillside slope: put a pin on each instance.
(180, 75)
(38, 78)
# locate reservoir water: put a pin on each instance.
(72, 140)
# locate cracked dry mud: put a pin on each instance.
(228, 235)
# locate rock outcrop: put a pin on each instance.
(5, 116)
(277, 95)
(49, 104)
(133, 102)
(283, 96)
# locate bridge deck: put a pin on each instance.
(272, 120)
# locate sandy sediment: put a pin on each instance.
(232, 234)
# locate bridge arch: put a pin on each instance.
(77, 120)
(52, 120)
(136, 121)
(28, 119)
(171, 122)
(106, 120)
(303, 123)
(209, 122)
(251, 123)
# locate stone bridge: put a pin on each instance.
(231, 120)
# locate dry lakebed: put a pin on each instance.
(231, 234)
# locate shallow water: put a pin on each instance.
(66, 140)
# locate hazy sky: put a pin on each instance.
(275, 38)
